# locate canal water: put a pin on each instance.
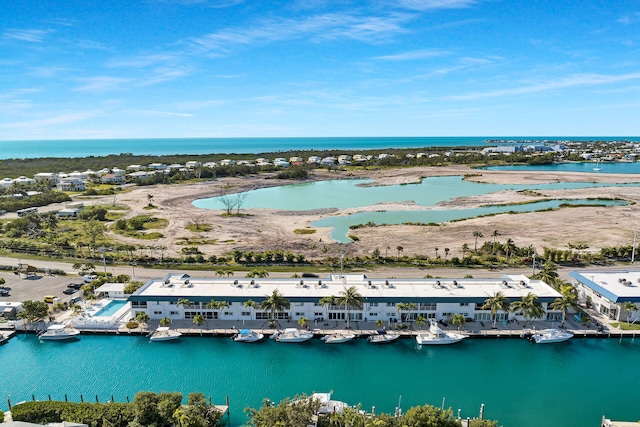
(521, 384)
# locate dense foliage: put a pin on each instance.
(299, 412)
(147, 409)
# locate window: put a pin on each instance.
(373, 304)
(391, 304)
(173, 313)
(373, 314)
(299, 313)
(262, 316)
(390, 314)
(298, 304)
(464, 304)
(157, 313)
(245, 313)
(316, 314)
(138, 304)
(428, 306)
(227, 313)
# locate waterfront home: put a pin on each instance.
(192, 164)
(360, 158)
(227, 162)
(9, 309)
(434, 298)
(280, 162)
(141, 175)
(157, 166)
(47, 177)
(71, 184)
(111, 178)
(328, 161)
(135, 168)
(23, 180)
(315, 160)
(210, 165)
(295, 159)
(6, 182)
(606, 291)
(68, 213)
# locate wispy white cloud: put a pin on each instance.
(155, 113)
(27, 35)
(49, 121)
(567, 82)
(434, 4)
(632, 18)
(412, 55)
(102, 83)
(324, 26)
(216, 4)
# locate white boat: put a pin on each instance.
(59, 332)
(382, 337)
(292, 335)
(247, 335)
(436, 336)
(338, 338)
(164, 333)
(547, 336)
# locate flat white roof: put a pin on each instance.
(175, 286)
(616, 285)
(111, 287)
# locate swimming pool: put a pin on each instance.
(111, 308)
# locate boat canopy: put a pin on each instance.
(245, 331)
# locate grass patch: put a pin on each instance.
(199, 228)
(626, 327)
(304, 231)
(185, 241)
(154, 223)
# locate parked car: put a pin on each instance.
(4, 293)
(88, 278)
(69, 291)
(75, 285)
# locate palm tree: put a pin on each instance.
(568, 301)
(399, 249)
(476, 234)
(436, 249)
(458, 320)
(529, 307)
(217, 305)
(405, 306)
(165, 321)
(446, 253)
(327, 302)
(629, 307)
(198, 320)
(465, 249)
(149, 199)
(350, 298)
(495, 234)
(142, 318)
(275, 302)
(509, 247)
(421, 321)
(549, 274)
(303, 322)
(183, 302)
(498, 302)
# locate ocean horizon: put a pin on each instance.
(72, 148)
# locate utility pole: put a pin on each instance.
(633, 249)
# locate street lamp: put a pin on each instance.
(133, 269)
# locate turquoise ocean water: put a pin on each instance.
(161, 146)
(522, 384)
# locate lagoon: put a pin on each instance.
(522, 384)
(604, 167)
(430, 191)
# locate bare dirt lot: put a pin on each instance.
(267, 229)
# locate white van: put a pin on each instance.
(88, 278)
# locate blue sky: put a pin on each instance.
(232, 68)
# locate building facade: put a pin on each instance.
(179, 297)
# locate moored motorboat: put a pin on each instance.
(164, 333)
(436, 336)
(548, 336)
(292, 335)
(338, 338)
(247, 335)
(383, 337)
(59, 332)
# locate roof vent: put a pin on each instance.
(253, 282)
(235, 282)
(186, 282)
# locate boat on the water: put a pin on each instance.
(548, 336)
(59, 332)
(292, 335)
(247, 335)
(436, 336)
(164, 333)
(338, 338)
(383, 337)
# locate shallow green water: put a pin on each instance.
(521, 384)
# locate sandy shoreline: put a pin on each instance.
(268, 229)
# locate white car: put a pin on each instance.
(88, 278)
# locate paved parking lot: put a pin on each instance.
(36, 287)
